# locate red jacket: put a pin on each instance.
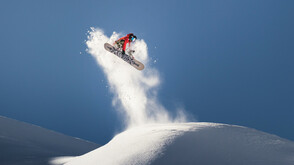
(127, 40)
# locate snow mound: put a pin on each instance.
(191, 143)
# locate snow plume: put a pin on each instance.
(134, 91)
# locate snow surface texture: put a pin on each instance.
(134, 91)
(190, 144)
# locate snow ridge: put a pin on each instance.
(191, 143)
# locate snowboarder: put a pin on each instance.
(122, 42)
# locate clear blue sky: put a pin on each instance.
(225, 61)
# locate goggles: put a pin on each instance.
(133, 39)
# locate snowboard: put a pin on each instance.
(127, 58)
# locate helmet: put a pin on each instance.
(132, 37)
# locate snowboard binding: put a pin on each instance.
(130, 53)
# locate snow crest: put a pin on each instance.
(190, 143)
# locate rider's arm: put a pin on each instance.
(125, 44)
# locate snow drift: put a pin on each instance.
(190, 144)
(27, 144)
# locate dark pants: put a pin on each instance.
(120, 43)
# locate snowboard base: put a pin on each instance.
(127, 58)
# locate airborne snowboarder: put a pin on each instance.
(122, 42)
(119, 49)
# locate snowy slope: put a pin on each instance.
(191, 143)
(27, 144)
(154, 136)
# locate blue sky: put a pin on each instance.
(223, 61)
